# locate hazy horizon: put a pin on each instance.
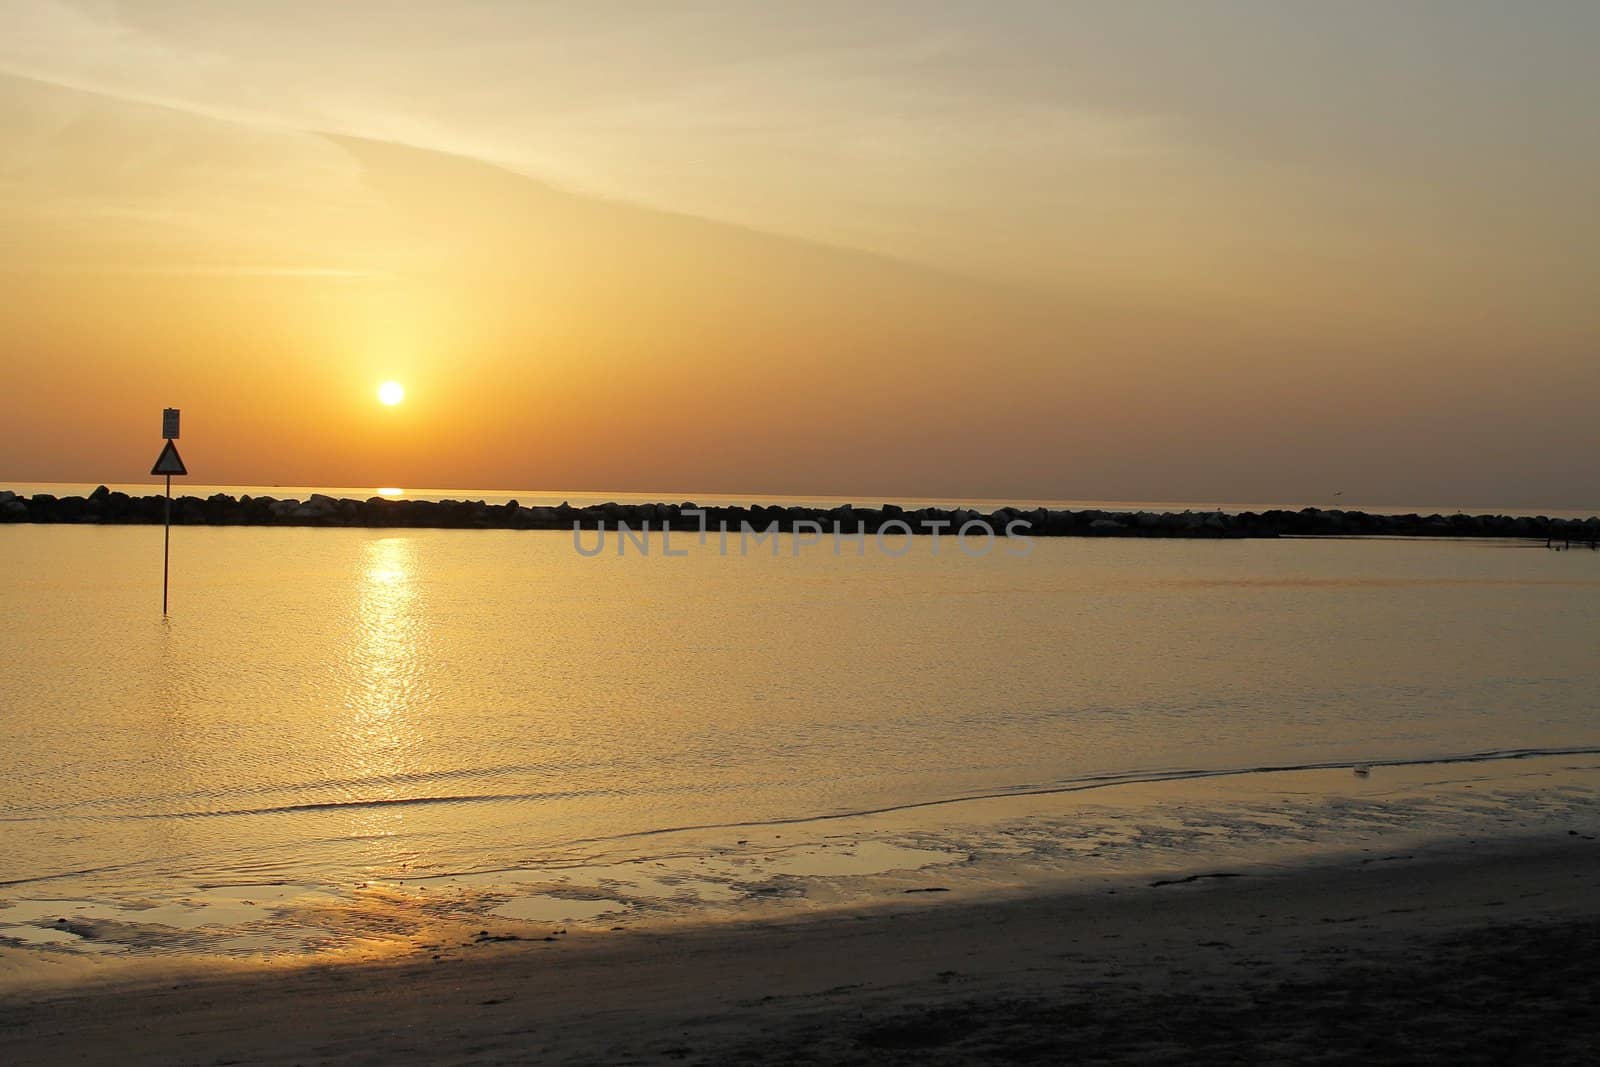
(578, 497)
(1232, 252)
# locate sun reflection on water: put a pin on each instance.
(380, 739)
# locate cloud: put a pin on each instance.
(858, 130)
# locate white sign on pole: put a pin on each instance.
(169, 423)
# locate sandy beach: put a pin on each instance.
(1466, 953)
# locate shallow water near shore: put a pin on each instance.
(355, 741)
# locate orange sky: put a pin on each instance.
(919, 251)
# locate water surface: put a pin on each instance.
(334, 708)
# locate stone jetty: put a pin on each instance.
(104, 506)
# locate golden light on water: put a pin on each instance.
(378, 733)
(389, 490)
(391, 393)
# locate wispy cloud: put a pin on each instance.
(815, 132)
(199, 270)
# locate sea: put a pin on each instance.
(352, 742)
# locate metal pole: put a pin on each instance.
(166, 543)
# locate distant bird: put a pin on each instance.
(1362, 770)
(1338, 492)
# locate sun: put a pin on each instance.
(391, 393)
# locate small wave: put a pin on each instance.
(1073, 785)
(378, 781)
(1104, 781)
(58, 875)
(347, 805)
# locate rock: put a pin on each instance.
(106, 506)
(318, 508)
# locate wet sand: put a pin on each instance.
(1463, 953)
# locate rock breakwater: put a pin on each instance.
(104, 506)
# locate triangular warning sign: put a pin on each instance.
(169, 462)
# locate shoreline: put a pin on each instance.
(1397, 953)
(105, 507)
(1072, 839)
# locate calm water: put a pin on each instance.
(329, 706)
